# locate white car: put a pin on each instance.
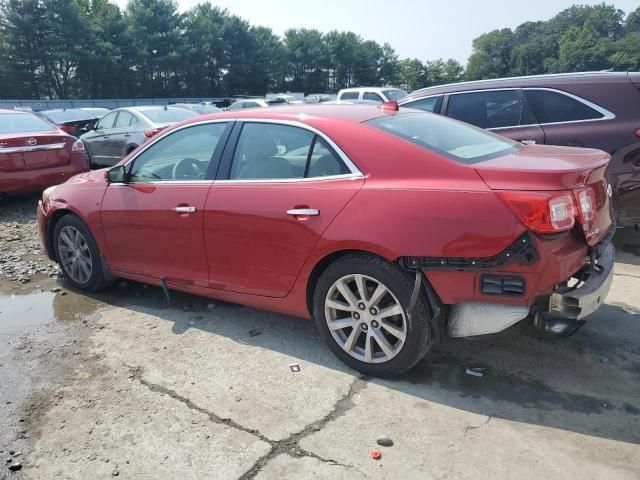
(374, 94)
(249, 103)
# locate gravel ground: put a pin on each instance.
(119, 384)
(21, 253)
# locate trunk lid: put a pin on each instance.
(34, 151)
(546, 168)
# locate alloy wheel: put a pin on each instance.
(74, 253)
(365, 318)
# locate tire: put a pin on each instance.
(414, 334)
(63, 234)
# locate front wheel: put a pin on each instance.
(78, 255)
(360, 309)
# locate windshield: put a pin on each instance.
(63, 116)
(23, 122)
(455, 140)
(395, 94)
(168, 115)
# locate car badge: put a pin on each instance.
(32, 141)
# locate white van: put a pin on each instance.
(374, 94)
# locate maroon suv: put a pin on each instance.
(592, 109)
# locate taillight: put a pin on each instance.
(586, 199)
(541, 212)
(638, 133)
(151, 133)
(78, 146)
(68, 128)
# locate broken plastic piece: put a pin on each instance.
(294, 367)
(630, 311)
(474, 371)
(376, 454)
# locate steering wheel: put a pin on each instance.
(187, 169)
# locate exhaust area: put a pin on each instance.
(478, 318)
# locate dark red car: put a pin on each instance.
(35, 154)
(390, 229)
(590, 109)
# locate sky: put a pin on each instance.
(424, 29)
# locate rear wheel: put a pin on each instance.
(360, 309)
(78, 255)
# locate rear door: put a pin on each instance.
(504, 112)
(97, 140)
(279, 187)
(569, 120)
(118, 139)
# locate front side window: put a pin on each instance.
(180, 156)
(550, 107)
(429, 104)
(107, 122)
(268, 151)
(23, 122)
(455, 140)
(490, 109)
(349, 96)
(372, 96)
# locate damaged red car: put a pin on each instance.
(35, 154)
(391, 229)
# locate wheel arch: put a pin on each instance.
(322, 264)
(51, 227)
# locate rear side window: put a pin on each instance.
(349, 96)
(490, 109)
(455, 140)
(374, 97)
(124, 120)
(281, 152)
(550, 107)
(429, 104)
(23, 122)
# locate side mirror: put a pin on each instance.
(117, 174)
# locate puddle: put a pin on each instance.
(26, 306)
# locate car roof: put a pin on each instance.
(304, 113)
(7, 110)
(368, 89)
(146, 108)
(555, 79)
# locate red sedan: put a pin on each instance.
(390, 228)
(35, 154)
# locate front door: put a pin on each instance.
(153, 222)
(280, 189)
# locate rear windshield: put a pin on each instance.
(23, 122)
(170, 115)
(395, 94)
(63, 116)
(458, 141)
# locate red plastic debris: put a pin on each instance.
(376, 454)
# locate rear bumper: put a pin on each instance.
(577, 303)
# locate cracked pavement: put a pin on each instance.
(119, 384)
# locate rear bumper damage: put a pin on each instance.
(594, 281)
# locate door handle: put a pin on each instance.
(184, 209)
(303, 212)
(528, 142)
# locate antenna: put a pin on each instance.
(620, 57)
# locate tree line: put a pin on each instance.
(94, 49)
